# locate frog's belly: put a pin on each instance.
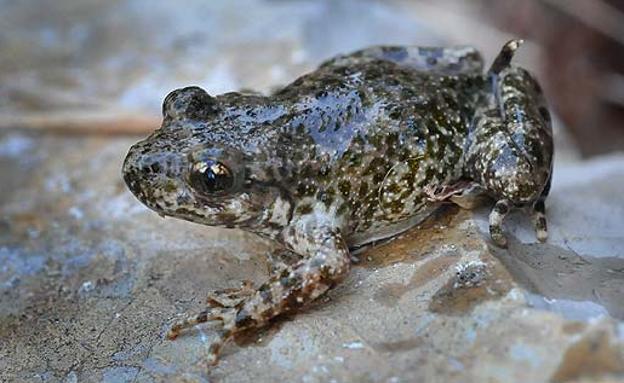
(385, 230)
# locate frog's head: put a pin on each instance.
(205, 164)
(511, 152)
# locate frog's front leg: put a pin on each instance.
(325, 261)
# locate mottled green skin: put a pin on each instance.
(359, 149)
(332, 136)
(360, 120)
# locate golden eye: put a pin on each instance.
(211, 177)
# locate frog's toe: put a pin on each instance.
(223, 315)
(231, 297)
(539, 218)
(542, 235)
(498, 237)
(215, 347)
(497, 216)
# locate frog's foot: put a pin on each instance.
(539, 219)
(504, 57)
(324, 261)
(221, 304)
(500, 210)
(222, 307)
(218, 302)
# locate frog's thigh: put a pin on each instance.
(449, 61)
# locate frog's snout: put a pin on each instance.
(132, 172)
(148, 174)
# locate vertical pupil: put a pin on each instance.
(210, 179)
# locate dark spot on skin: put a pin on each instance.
(375, 165)
(283, 172)
(292, 301)
(304, 209)
(395, 114)
(344, 187)
(307, 171)
(502, 208)
(305, 189)
(155, 168)
(363, 190)
(379, 177)
(327, 275)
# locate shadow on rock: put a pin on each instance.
(577, 287)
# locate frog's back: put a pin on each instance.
(368, 135)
